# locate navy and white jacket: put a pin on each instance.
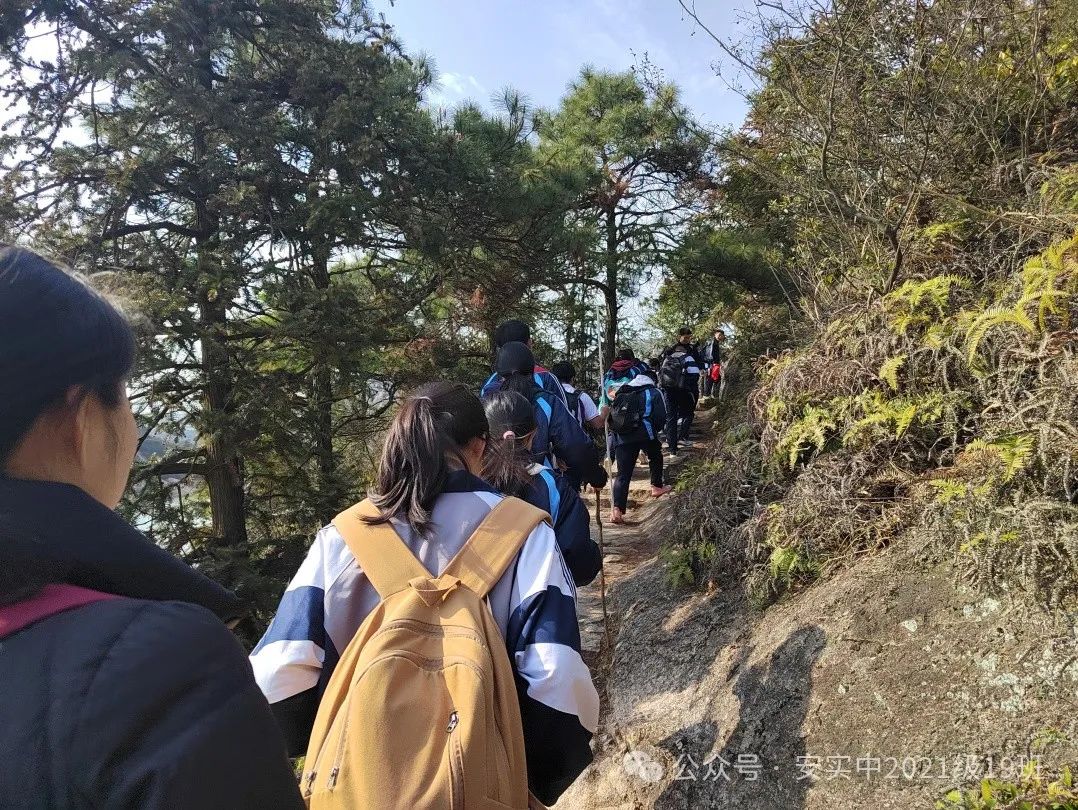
(555, 495)
(654, 409)
(558, 435)
(534, 605)
(690, 358)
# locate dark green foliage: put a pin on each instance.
(639, 163)
(908, 164)
(299, 238)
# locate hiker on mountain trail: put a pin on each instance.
(679, 377)
(512, 471)
(635, 413)
(122, 686)
(713, 355)
(386, 606)
(558, 434)
(514, 331)
(580, 403)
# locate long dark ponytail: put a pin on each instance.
(432, 425)
(511, 418)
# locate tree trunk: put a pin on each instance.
(330, 491)
(610, 294)
(224, 465)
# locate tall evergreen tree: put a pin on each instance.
(637, 153)
(222, 155)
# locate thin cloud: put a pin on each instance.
(452, 88)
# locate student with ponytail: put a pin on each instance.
(428, 490)
(558, 435)
(511, 469)
(122, 686)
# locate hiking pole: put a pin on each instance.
(602, 569)
(602, 550)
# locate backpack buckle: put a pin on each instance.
(433, 591)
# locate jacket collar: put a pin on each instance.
(464, 481)
(57, 533)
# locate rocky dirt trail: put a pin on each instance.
(881, 687)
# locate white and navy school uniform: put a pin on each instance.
(585, 409)
(534, 605)
(555, 495)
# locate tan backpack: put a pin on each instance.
(422, 712)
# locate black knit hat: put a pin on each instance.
(515, 358)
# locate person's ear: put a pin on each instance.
(80, 408)
(474, 451)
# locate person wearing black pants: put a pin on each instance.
(679, 376)
(712, 356)
(625, 455)
(692, 388)
(629, 434)
(680, 406)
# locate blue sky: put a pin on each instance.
(483, 46)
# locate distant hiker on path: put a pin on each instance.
(580, 403)
(713, 355)
(519, 332)
(558, 434)
(635, 414)
(679, 377)
(122, 686)
(509, 467)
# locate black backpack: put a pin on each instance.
(627, 410)
(572, 400)
(672, 370)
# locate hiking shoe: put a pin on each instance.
(658, 492)
(685, 443)
(671, 455)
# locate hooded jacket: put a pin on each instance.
(145, 701)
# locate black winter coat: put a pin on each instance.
(143, 702)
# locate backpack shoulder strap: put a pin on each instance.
(495, 544)
(50, 600)
(544, 404)
(381, 553)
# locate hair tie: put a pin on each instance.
(509, 435)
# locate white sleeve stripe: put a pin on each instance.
(558, 677)
(539, 566)
(285, 668)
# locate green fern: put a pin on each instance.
(807, 433)
(677, 567)
(1014, 452)
(1049, 279)
(904, 418)
(941, 230)
(888, 372)
(788, 565)
(993, 318)
(948, 490)
(935, 290)
(1033, 790)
